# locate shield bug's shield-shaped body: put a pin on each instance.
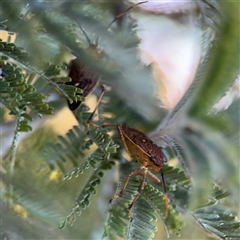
(140, 147)
(82, 77)
(145, 151)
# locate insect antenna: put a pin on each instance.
(89, 121)
(124, 12)
(114, 20)
(85, 34)
(166, 195)
(97, 41)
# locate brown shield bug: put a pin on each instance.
(145, 151)
(82, 77)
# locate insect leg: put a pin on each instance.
(154, 178)
(89, 121)
(126, 183)
(109, 125)
(144, 177)
(166, 195)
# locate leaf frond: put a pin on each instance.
(149, 207)
(73, 146)
(69, 148)
(84, 198)
(17, 95)
(118, 214)
(44, 70)
(219, 221)
(139, 228)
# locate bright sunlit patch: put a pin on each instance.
(7, 36)
(173, 50)
(20, 210)
(55, 176)
(60, 126)
(173, 162)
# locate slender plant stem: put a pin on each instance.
(14, 147)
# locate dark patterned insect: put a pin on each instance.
(145, 151)
(82, 77)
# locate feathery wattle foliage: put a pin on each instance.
(202, 146)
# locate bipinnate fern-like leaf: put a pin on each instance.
(46, 71)
(180, 185)
(219, 221)
(68, 149)
(175, 176)
(151, 206)
(139, 228)
(207, 210)
(14, 52)
(96, 157)
(156, 200)
(18, 96)
(117, 224)
(83, 200)
(71, 148)
(102, 139)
